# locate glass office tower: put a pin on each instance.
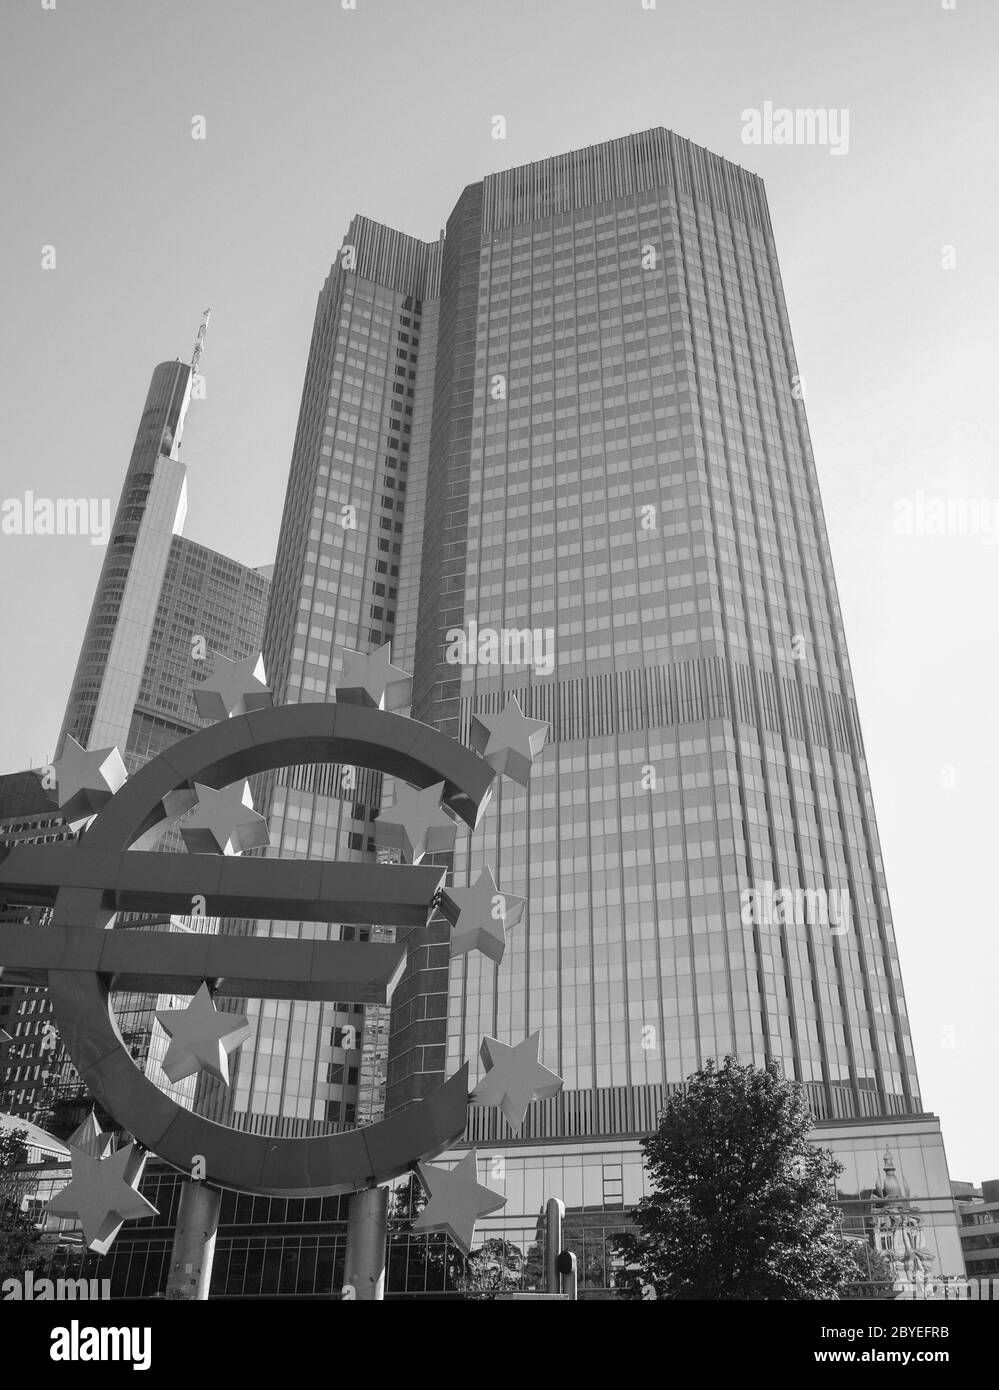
(621, 463)
(344, 576)
(576, 419)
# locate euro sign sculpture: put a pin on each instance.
(110, 869)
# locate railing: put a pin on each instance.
(935, 1290)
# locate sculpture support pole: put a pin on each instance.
(367, 1233)
(570, 1275)
(193, 1253)
(554, 1214)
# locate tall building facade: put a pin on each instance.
(345, 576)
(151, 511)
(163, 603)
(207, 603)
(641, 490)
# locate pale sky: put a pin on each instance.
(313, 113)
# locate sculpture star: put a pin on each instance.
(201, 1038)
(514, 1077)
(370, 679)
(89, 1138)
(416, 823)
(86, 782)
(103, 1194)
(457, 1200)
(234, 687)
(480, 916)
(509, 742)
(220, 822)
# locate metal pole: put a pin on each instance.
(193, 1254)
(570, 1279)
(554, 1215)
(367, 1231)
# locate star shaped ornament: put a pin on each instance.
(103, 1194)
(457, 1200)
(514, 1077)
(509, 742)
(480, 916)
(201, 1038)
(86, 782)
(234, 687)
(89, 1138)
(370, 679)
(221, 822)
(416, 823)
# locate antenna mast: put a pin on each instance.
(199, 345)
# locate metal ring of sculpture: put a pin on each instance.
(108, 877)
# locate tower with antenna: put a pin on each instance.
(199, 342)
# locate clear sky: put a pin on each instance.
(313, 113)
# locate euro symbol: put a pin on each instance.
(108, 870)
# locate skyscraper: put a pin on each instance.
(562, 454)
(345, 575)
(151, 511)
(157, 594)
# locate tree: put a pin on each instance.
(497, 1267)
(20, 1244)
(870, 1275)
(743, 1205)
(629, 1259)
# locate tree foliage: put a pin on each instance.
(497, 1267)
(743, 1205)
(870, 1274)
(20, 1245)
